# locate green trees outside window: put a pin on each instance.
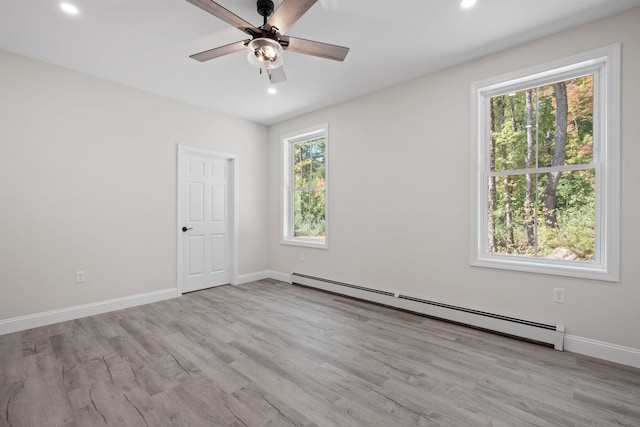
(542, 180)
(309, 181)
(545, 168)
(305, 187)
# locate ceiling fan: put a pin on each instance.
(267, 43)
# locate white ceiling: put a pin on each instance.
(146, 44)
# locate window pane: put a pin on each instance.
(309, 213)
(580, 121)
(550, 125)
(309, 165)
(302, 164)
(548, 215)
(566, 122)
(511, 217)
(567, 222)
(317, 150)
(509, 132)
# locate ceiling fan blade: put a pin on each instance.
(219, 51)
(288, 14)
(277, 75)
(227, 16)
(310, 47)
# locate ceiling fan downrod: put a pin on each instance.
(265, 8)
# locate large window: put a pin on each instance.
(545, 179)
(305, 187)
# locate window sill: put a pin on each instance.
(309, 243)
(545, 266)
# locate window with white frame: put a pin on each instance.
(304, 219)
(545, 168)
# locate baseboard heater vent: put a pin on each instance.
(535, 331)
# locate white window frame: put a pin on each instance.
(287, 143)
(604, 64)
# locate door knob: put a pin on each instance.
(185, 229)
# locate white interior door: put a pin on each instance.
(205, 229)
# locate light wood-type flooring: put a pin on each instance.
(271, 354)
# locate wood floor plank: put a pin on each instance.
(314, 403)
(214, 368)
(40, 399)
(11, 368)
(269, 408)
(271, 354)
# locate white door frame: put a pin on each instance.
(233, 204)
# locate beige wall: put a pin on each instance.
(88, 182)
(399, 195)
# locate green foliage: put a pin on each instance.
(309, 195)
(517, 223)
(309, 213)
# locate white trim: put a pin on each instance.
(306, 242)
(36, 320)
(21, 323)
(278, 275)
(603, 350)
(234, 228)
(562, 68)
(286, 217)
(184, 150)
(261, 275)
(252, 277)
(604, 63)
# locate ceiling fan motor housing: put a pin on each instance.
(265, 7)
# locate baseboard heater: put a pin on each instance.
(534, 331)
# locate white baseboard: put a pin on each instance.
(36, 320)
(261, 275)
(277, 275)
(603, 350)
(251, 277)
(21, 323)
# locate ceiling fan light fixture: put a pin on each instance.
(265, 53)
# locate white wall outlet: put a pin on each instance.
(80, 277)
(558, 295)
(301, 257)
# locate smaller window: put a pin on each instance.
(304, 219)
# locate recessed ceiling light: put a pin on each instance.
(69, 8)
(466, 4)
(272, 91)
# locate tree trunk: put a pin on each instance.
(528, 198)
(507, 212)
(560, 144)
